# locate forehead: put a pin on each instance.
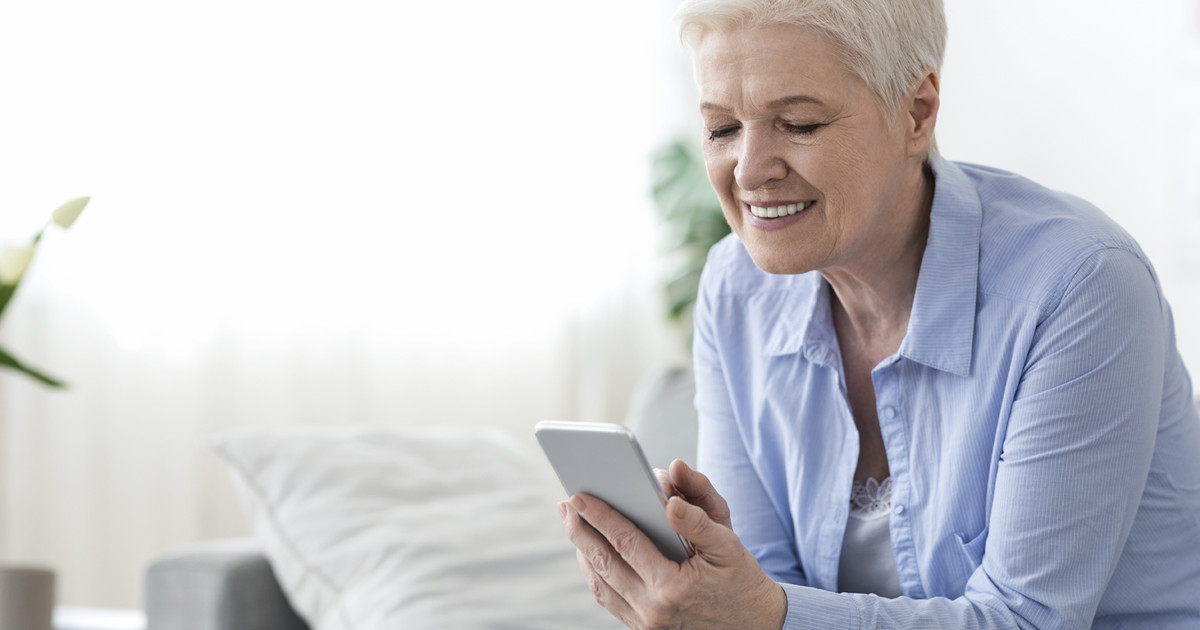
(745, 66)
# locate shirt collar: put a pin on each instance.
(941, 326)
(802, 320)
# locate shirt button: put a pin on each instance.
(898, 509)
(889, 412)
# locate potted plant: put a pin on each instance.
(14, 261)
(27, 592)
(692, 219)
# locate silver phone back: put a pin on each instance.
(605, 461)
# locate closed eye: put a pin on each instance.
(803, 130)
(716, 134)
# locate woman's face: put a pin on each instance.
(810, 173)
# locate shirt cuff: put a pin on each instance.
(815, 609)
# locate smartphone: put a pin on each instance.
(605, 461)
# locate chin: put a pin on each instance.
(781, 253)
(774, 263)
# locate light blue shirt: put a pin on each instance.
(1042, 442)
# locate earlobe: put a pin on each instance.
(922, 112)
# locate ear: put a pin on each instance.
(922, 113)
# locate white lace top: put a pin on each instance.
(868, 564)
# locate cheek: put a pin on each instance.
(843, 172)
(720, 173)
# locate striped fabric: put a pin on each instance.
(1042, 442)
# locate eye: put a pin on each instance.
(721, 132)
(802, 130)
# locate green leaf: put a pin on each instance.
(692, 221)
(6, 293)
(66, 214)
(9, 361)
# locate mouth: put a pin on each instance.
(779, 211)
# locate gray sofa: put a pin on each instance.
(229, 584)
(218, 585)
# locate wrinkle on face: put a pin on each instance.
(767, 80)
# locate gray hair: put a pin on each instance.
(889, 44)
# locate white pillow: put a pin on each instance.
(384, 528)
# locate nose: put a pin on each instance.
(760, 161)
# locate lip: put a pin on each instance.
(769, 225)
(773, 204)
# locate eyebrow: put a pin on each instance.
(777, 104)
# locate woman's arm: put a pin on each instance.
(723, 585)
(723, 458)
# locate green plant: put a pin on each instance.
(692, 220)
(14, 261)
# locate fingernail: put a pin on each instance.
(579, 504)
(562, 510)
(680, 508)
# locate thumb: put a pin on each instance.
(699, 491)
(714, 542)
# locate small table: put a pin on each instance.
(84, 618)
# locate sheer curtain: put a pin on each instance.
(311, 212)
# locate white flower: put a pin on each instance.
(66, 214)
(13, 261)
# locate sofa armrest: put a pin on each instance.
(217, 585)
(663, 418)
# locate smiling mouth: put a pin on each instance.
(775, 212)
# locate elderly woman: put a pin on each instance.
(931, 395)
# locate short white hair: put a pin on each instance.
(889, 44)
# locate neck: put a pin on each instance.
(874, 295)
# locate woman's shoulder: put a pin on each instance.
(1034, 240)
(1017, 207)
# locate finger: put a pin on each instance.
(713, 541)
(604, 594)
(664, 480)
(632, 546)
(602, 546)
(696, 488)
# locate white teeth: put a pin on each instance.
(780, 211)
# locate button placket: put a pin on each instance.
(894, 434)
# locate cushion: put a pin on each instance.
(383, 527)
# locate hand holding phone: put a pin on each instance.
(605, 461)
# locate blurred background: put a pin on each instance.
(430, 213)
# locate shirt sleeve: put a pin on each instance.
(722, 457)
(1076, 454)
